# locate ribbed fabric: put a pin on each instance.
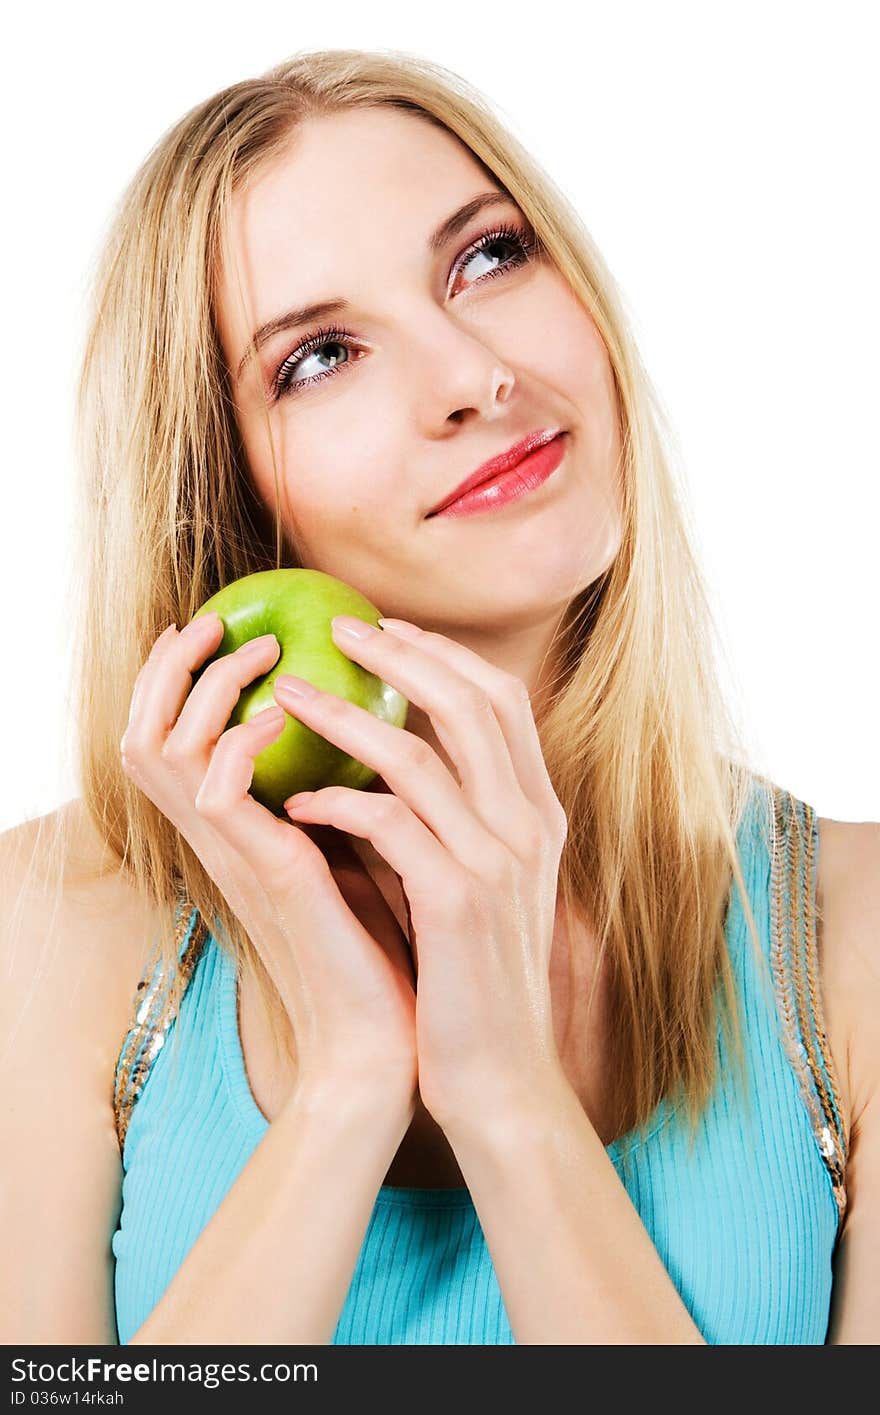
(746, 1224)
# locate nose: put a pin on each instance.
(463, 375)
(498, 392)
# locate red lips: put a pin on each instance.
(504, 462)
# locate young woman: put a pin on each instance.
(565, 1031)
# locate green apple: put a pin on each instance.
(297, 607)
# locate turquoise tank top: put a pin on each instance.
(746, 1224)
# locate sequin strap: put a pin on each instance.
(795, 963)
(154, 1008)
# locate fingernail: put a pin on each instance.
(270, 717)
(401, 627)
(258, 645)
(202, 623)
(300, 799)
(296, 687)
(356, 628)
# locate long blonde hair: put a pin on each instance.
(638, 741)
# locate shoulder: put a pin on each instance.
(849, 883)
(73, 931)
(848, 905)
(71, 940)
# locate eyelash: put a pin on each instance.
(522, 236)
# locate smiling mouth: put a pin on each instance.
(496, 466)
(509, 485)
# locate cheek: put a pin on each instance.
(322, 480)
(585, 365)
(577, 364)
(564, 346)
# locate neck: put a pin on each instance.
(528, 651)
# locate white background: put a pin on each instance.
(724, 157)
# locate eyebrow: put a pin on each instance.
(304, 314)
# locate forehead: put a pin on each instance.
(309, 220)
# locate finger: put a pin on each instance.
(411, 768)
(209, 705)
(368, 904)
(277, 855)
(510, 700)
(259, 836)
(404, 841)
(291, 869)
(283, 861)
(154, 654)
(166, 678)
(463, 717)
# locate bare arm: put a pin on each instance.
(66, 983)
(851, 982)
(272, 1264)
(275, 1262)
(575, 1263)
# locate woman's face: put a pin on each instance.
(442, 358)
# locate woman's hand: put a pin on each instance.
(349, 996)
(478, 861)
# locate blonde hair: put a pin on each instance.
(638, 741)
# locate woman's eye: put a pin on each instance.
(316, 348)
(330, 348)
(323, 361)
(488, 258)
